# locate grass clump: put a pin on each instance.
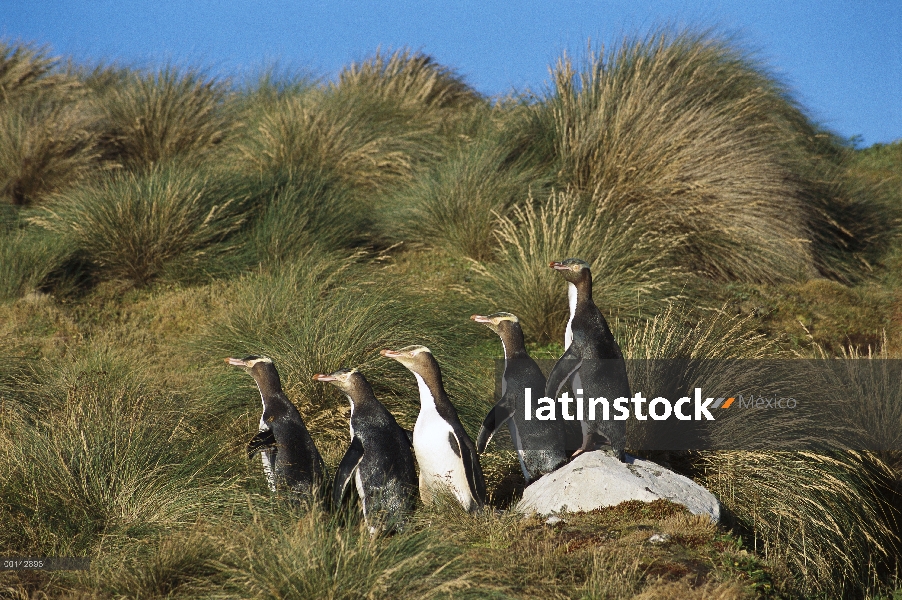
(374, 127)
(151, 118)
(823, 514)
(280, 556)
(133, 226)
(27, 258)
(696, 135)
(411, 80)
(457, 202)
(364, 141)
(45, 146)
(26, 71)
(112, 458)
(629, 262)
(306, 209)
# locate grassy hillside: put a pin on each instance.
(153, 222)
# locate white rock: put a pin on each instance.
(596, 479)
(659, 538)
(554, 520)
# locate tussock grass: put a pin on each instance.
(306, 209)
(133, 226)
(45, 146)
(630, 266)
(456, 204)
(366, 141)
(374, 127)
(411, 80)
(27, 257)
(150, 118)
(279, 556)
(26, 70)
(697, 135)
(112, 458)
(821, 514)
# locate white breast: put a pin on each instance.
(266, 457)
(440, 467)
(571, 299)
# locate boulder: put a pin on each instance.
(596, 479)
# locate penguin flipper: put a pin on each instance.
(344, 476)
(472, 467)
(563, 370)
(497, 417)
(265, 438)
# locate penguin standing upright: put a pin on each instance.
(290, 457)
(540, 444)
(592, 357)
(378, 461)
(444, 451)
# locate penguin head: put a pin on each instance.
(252, 364)
(573, 270)
(418, 359)
(261, 368)
(347, 380)
(498, 322)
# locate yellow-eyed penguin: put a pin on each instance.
(540, 444)
(378, 462)
(445, 453)
(592, 358)
(290, 457)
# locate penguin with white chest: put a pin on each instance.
(290, 458)
(378, 462)
(445, 453)
(592, 358)
(540, 444)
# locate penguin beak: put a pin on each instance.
(557, 266)
(481, 319)
(322, 377)
(391, 353)
(235, 362)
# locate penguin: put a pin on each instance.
(378, 462)
(540, 444)
(445, 453)
(591, 358)
(290, 457)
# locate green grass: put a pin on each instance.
(457, 203)
(166, 220)
(27, 257)
(150, 118)
(305, 209)
(133, 226)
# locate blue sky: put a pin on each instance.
(842, 58)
